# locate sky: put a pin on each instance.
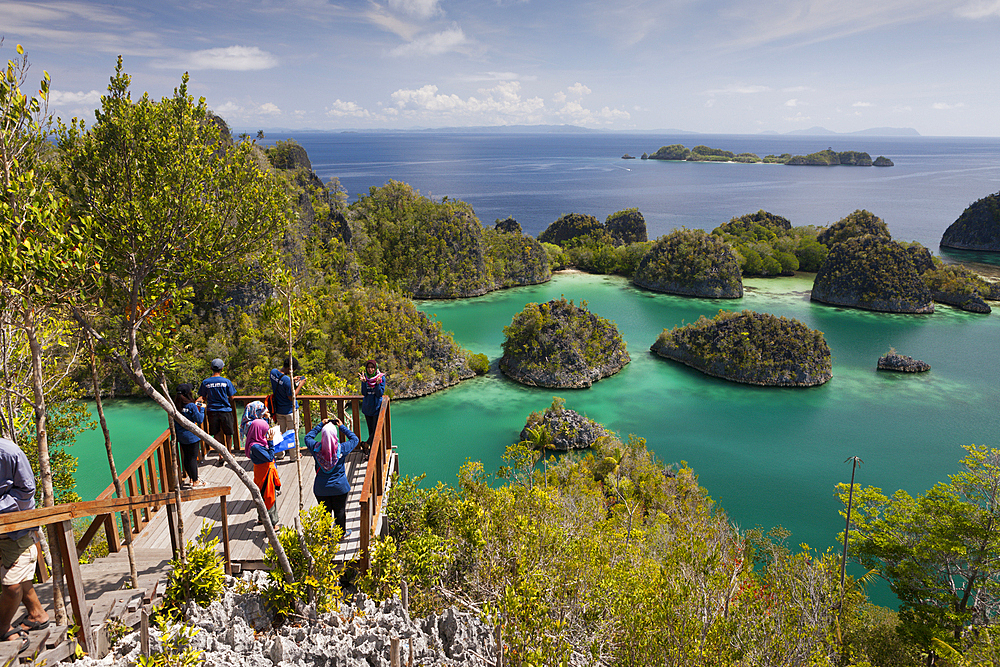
(710, 66)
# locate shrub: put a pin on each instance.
(200, 579)
(480, 363)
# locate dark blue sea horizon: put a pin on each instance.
(538, 177)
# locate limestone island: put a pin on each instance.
(751, 348)
(894, 361)
(872, 273)
(691, 262)
(978, 228)
(825, 158)
(958, 286)
(561, 429)
(558, 344)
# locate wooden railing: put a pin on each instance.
(62, 516)
(152, 472)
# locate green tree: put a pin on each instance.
(179, 208)
(939, 551)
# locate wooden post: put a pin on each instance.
(409, 662)
(366, 533)
(172, 529)
(74, 581)
(499, 637)
(404, 593)
(394, 651)
(225, 535)
(111, 532)
(144, 633)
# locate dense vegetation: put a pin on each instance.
(691, 262)
(873, 273)
(978, 228)
(610, 557)
(560, 344)
(956, 285)
(749, 347)
(859, 223)
(561, 429)
(830, 157)
(581, 242)
(768, 245)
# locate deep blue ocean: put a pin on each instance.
(538, 177)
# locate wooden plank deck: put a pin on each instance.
(247, 539)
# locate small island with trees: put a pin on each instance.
(693, 263)
(824, 158)
(752, 348)
(559, 344)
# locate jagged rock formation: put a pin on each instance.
(513, 259)
(978, 228)
(559, 344)
(859, 223)
(693, 263)
(237, 632)
(872, 273)
(882, 161)
(894, 361)
(562, 429)
(752, 348)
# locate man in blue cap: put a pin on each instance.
(218, 393)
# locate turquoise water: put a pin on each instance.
(767, 455)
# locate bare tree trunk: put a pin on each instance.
(44, 468)
(133, 367)
(126, 519)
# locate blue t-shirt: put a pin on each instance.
(195, 414)
(217, 391)
(281, 387)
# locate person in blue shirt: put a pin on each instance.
(218, 393)
(331, 486)
(372, 389)
(284, 387)
(17, 549)
(192, 410)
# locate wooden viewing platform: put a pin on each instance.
(149, 484)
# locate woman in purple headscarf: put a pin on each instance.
(265, 475)
(331, 486)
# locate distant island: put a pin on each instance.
(824, 158)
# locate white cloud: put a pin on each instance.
(979, 9)
(235, 111)
(862, 104)
(792, 103)
(237, 58)
(420, 8)
(269, 109)
(501, 104)
(578, 89)
(66, 98)
(739, 89)
(433, 45)
(902, 109)
(351, 109)
(378, 16)
(944, 106)
(497, 76)
(559, 97)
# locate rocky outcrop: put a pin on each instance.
(508, 225)
(626, 226)
(563, 429)
(236, 632)
(978, 228)
(871, 273)
(558, 344)
(882, 161)
(972, 303)
(571, 226)
(959, 286)
(894, 361)
(692, 263)
(751, 348)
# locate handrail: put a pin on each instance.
(62, 516)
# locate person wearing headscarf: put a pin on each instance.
(265, 475)
(372, 388)
(254, 410)
(194, 411)
(331, 486)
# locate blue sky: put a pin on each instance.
(714, 66)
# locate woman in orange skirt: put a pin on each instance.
(265, 475)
